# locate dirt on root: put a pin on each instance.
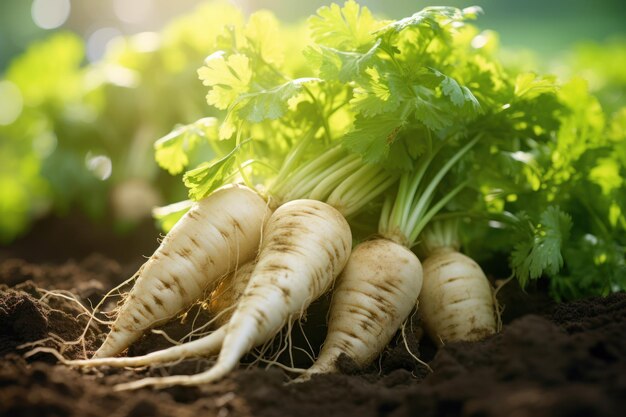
(550, 360)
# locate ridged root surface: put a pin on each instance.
(373, 296)
(456, 302)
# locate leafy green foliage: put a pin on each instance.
(172, 150)
(538, 250)
(229, 77)
(209, 176)
(348, 28)
(400, 94)
(372, 137)
(112, 110)
(270, 104)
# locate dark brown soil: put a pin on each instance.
(550, 360)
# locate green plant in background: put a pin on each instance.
(544, 146)
(83, 134)
(541, 185)
(36, 170)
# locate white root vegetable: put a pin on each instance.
(373, 296)
(456, 302)
(213, 237)
(206, 346)
(306, 244)
(222, 302)
(225, 297)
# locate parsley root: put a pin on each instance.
(373, 296)
(456, 302)
(217, 234)
(306, 244)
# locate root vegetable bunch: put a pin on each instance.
(398, 124)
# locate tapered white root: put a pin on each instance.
(205, 346)
(227, 294)
(306, 244)
(373, 296)
(216, 235)
(456, 302)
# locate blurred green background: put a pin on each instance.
(544, 26)
(81, 106)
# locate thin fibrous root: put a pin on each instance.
(408, 349)
(205, 346)
(499, 307)
(213, 374)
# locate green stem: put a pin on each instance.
(308, 170)
(250, 162)
(305, 187)
(385, 212)
(294, 156)
(396, 214)
(415, 232)
(421, 204)
(328, 184)
(368, 194)
(240, 167)
(366, 176)
(440, 234)
(320, 110)
(417, 179)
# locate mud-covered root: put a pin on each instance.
(306, 244)
(373, 296)
(456, 302)
(214, 237)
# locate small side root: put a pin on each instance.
(52, 351)
(408, 349)
(499, 308)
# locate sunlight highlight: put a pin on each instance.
(135, 11)
(11, 102)
(100, 166)
(98, 42)
(50, 14)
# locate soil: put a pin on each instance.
(551, 359)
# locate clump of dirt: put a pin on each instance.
(89, 279)
(25, 318)
(563, 359)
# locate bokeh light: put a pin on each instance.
(11, 102)
(98, 42)
(50, 14)
(133, 11)
(480, 41)
(146, 41)
(45, 144)
(99, 165)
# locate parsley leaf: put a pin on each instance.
(228, 78)
(209, 176)
(372, 137)
(264, 37)
(349, 27)
(270, 104)
(172, 150)
(529, 85)
(538, 250)
(377, 94)
(433, 18)
(345, 66)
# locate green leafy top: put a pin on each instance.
(347, 28)
(426, 100)
(539, 246)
